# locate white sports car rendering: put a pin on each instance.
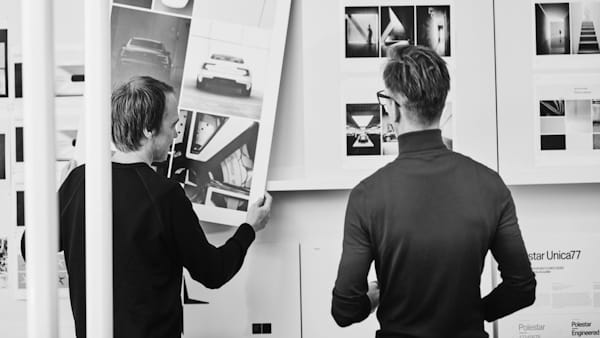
(225, 71)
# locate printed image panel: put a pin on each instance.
(552, 125)
(579, 113)
(3, 262)
(553, 142)
(585, 21)
(214, 159)
(552, 28)
(149, 44)
(3, 63)
(363, 129)
(397, 27)
(18, 80)
(362, 30)
(137, 3)
(2, 156)
(596, 116)
(226, 70)
(180, 7)
(248, 13)
(389, 143)
(552, 108)
(433, 28)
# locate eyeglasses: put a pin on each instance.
(383, 99)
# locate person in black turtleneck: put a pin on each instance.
(428, 219)
(156, 233)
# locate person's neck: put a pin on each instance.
(132, 157)
(405, 128)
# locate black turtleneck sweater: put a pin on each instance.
(155, 234)
(428, 219)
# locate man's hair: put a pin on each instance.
(419, 74)
(137, 105)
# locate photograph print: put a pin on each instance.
(397, 27)
(389, 143)
(149, 44)
(3, 262)
(596, 116)
(3, 63)
(213, 159)
(363, 129)
(362, 32)
(226, 71)
(552, 28)
(585, 23)
(179, 7)
(552, 108)
(3, 153)
(433, 28)
(147, 4)
(578, 116)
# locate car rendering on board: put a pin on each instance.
(225, 71)
(147, 53)
(175, 3)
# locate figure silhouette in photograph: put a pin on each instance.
(370, 37)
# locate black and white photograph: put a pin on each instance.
(3, 63)
(585, 23)
(551, 125)
(363, 129)
(397, 27)
(226, 71)
(179, 7)
(553, 142)
(578, 116)
(20, 205)
(596, 140)
(552, 28)
(552, 108)
(18, 80)
(150, 44)
(596, 116)
(3, 262)
(136, 3)
(433, 28)
(213, 158)
(19, 145)
(389, 145)
(362, 32)
(2, 156)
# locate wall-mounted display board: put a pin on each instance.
(548, 74)
(568, 289)
(330, 132)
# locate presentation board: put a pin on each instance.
(548, 80)
(332, 71)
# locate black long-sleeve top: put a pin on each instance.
(428, 219)
(155, 234)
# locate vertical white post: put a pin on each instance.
(40, 189)
(98, 183)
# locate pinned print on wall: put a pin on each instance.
(3, 63)
(3, 262)
(229, 91)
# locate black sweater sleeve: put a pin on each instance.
(517, 289)
(207, 264)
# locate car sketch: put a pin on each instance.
(225, 71)
(146, 52)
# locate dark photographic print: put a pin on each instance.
(552, 30)
(213, 158)
(389, 144)
(596, 140)
(3, 63)
(137, 3)
(20, 208)
(596, 116)
(2, 156)
(150, 44)
(585, 20)
(19, 144)
(362, 32)
(553, 142)
(226, 71)
(18, 80)
(3, 262)
(180, 7)
(552, 108)
(363, 129)
(397, 27)
(433, 28)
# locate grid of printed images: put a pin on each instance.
(567, 28)
(370, 131)
(224, 82)
(569, 124)
(371, 31)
